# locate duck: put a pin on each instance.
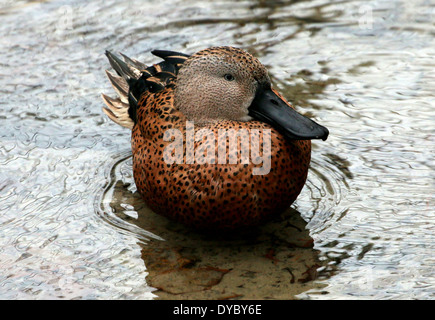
(214, 145)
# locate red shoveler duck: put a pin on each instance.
(181, 112)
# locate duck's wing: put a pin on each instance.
(134, 78)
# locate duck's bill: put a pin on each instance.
(270, 108)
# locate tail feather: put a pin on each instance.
(133, 79)
(117, 111)
(120, 85)
(133, 62)
(123, 68)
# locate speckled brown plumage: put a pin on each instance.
(210, 196)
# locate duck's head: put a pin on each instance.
(226, 83)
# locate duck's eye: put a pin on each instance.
(229, 77)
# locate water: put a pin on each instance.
(363, 228)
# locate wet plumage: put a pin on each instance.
(216, 89)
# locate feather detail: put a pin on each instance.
(133, 78)
(165, 53)
(117, 111)
(120, 86)
(122, 68)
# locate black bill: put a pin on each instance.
(270, 108)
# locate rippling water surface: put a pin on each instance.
(72, 225)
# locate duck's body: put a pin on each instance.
(208, 192)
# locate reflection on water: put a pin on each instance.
(184, 264)
(363, 227)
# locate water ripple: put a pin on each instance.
(362, 68)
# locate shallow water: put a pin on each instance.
(72, 226)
